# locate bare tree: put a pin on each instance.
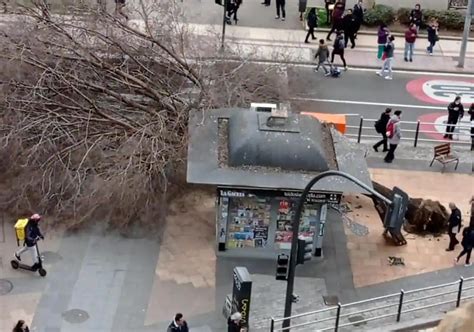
(94, 109)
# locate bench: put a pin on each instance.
(442, 153)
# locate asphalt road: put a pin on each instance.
(359, 92)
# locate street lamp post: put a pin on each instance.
(224, 23)
(465, 36)
(296, 226)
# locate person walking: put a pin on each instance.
(21, 326)
(454, 226)
(394, 135)
(358, 13)
(416, 17)
(381, 128)
(178, 324)
(329, 5)
(467, 244)
(234, 322)
(312, 24)
(382, 38)
(338, 49)
(32, 233)
(119, 5)
(336, 18)
(389, 52)
(302, 8)
(410, 38)
(322, 54)
(471, 113)
(349, 24)
(280, 6)
(235, 7)
(455, 112)
(433, 37)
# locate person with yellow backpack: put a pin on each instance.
(27, 230)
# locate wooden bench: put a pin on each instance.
(442, 153)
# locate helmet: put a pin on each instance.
(35, 216)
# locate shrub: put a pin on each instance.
(451, 19)
(403, 15)
(379, 14)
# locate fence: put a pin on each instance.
(382, 310)
(413, 131)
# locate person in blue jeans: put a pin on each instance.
(432, 29)
(410, 38)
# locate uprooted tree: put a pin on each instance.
(94, 110)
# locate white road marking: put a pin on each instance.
(367, 103)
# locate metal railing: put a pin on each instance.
(411, 131)
(393, 308)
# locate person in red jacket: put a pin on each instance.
(410, 38)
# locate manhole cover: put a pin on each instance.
(356, 320)
(51, 257)
(75, 316)
(5, 287)
(331, 300)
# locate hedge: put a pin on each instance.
(379, 14)
(449, 19)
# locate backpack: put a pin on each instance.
(390, 129)
(377, 126)
(20, 230)
(340, 44)
(335, 71)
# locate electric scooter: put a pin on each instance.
(35, 267)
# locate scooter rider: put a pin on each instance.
(31, 237)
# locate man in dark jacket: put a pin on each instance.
(381, 128)
(178, 324)
(349, 23)
(416, 16)
(312, 23)
(454, 226)
(455, 112)
(467, 244)
(32, 234)
(358, 14)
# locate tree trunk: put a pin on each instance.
(422, 216)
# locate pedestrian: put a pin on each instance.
(416, 17)
(381, 128)
(394, 135)
(21, 327)
(410, 38)
(454, 226)
(336, 18)
(467, 243)
(302, 8)
(329, 5)
(235, 5)
(338, 49)
(471, 113)
(382, 38)
(280, 6)
(322, 55)
(266, 3)
(119, 5)
(433, 37)
(312, 24)
(359, 15)
(389, 52)
(234, 322)
(32, 233)
(455, 112)
(178, 324)
(349, 23)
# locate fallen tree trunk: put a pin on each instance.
(422, 216)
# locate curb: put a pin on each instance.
(309, 63)
(400, 34)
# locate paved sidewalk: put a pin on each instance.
(284, 45)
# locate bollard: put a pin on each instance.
(337, 317)
(400, 304)
(417, 132)
(458, 301)
(361, 123)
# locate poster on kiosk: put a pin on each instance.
(241, 294)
